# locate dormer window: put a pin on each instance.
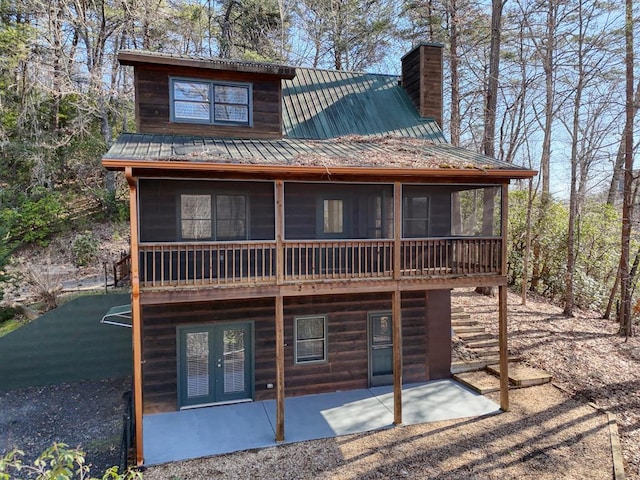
(211, 102)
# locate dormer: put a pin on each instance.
(176, 94)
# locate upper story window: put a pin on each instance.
(333, 216)
(225, 220)
(195, 217)
(209, 102)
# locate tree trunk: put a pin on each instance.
(454, 123)
(527, 246)
(614, 187)
(488, 141)
(625, 286)
(548, 64)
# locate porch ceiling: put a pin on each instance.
(209, 431)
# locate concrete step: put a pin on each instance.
(460, 316)
(457, 309)
(483, 344)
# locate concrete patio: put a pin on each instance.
(201, 432)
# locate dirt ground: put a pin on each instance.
(550, 431)
(546, 435)
(86, 414)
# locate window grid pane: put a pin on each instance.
(211, 102)
(310, 339)
(195, 215)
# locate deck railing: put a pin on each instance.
(255, 262)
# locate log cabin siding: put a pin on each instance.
(153, 109)
(347, 362)
(159, 206)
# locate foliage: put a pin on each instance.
(8, 326)
(84, 248)
(57, 462)
(6, 313)
(114, 208)
(597, 243)
(47, 286)
(32, 218)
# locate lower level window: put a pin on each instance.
(311, 339)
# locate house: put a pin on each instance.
(299, 231)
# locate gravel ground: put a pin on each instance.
(545, 435)
(86, 414)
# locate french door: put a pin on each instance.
(214, 364)
(380, 349)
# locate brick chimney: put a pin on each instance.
(422, 79)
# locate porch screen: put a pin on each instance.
(476, 212)
(311, 333)
(231, 217)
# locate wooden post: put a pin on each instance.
(279, 232)
(397, 229)
(504, 214)
(279, 369)
(136, 319)
(502, 307)
(504, 354)
(396, 318)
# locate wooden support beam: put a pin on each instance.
(397, 230)
(504, 216)
(502, 307)
(504, 354)
(136, 318)
(396, 314)
(279, 186)
(279, 369)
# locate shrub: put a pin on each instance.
(57, 462)
(84, 249)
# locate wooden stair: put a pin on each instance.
(476, 339)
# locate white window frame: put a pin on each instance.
(210, 86)
(302, 361)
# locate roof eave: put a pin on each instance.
(297, 170)
(137, 58)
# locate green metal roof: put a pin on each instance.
(320, 104)
(350, 151)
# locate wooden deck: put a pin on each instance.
(268, 263)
